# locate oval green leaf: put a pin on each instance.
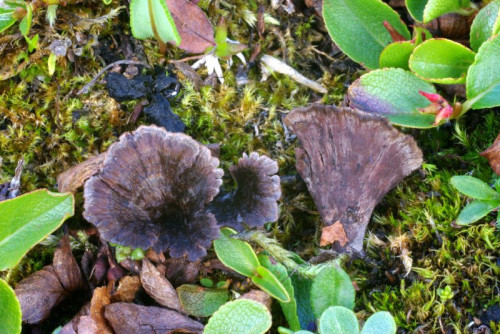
(28, 219)
(393, 93)
(289, 308)
(396, 54)
(436, 8)
(6, 19)
(331, 287)
(475, 211)
(485, 24)
(236, 254)
(357, 27)
(338, 320)
(10, 310)
(25, 24)
(483, 78)
(441, 61)
(380, 323)
(241, 316)
(148, 16)
(416, 8)
(201, 302)
(270, 284)
(473, 187)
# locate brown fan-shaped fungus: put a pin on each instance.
(254, 201)
(349, 160)
(152, 191)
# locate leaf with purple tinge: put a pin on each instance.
(394, 94)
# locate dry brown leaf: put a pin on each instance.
(493, 155)
(196, 31)
(181, 271)
(333, 233)
(72, 326)
(128, 318)
(100, 299)
(38, 294)
(158, 287)
(66, 268)
(127, 288)
(75, 177)
(87, 326)
(258, 296)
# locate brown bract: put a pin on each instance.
(152, 191)
(130, 318)
(40, 292)
(349, 160)
(493, 155)
(193, 26)
(254, 202)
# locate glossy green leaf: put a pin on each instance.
(393, 93)
(396, 54)
(10, 310)
(475, 211)
(151, 18)
(484, 24)
(483, 78)
(6, 19)
(420, 35)
(473, 187)
(435, 8)
(338, 320)
(380, 323)
(416, 8)
(357, 28)
(441, 61)
(241, 316)
(302, 294)
(236, 254)
(332, 287)
(266, 280)
(25, 24)
(201, 302)
(27, 220)
(289, 308)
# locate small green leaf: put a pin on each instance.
(51, 64)
(416, 8)
(483, 78)
(484, 24)
(475, 211)
(396, 54)
(6, 18)
(25, 24)
(207, 282)
(393, 93)
(289, 308)
(201, 302)
(473, 187)
(302, 295)
(137, 254)
(338, 320)
(441, 61)
(241, 316)
(332, 287)
(380, 323)
(357, 28)
(21, 229)
(436, 8)
(236, 254)
(32, 42)
(265, 280)
(151, 18)
(10, 310)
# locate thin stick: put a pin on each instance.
(183, 60)
(88, 86)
